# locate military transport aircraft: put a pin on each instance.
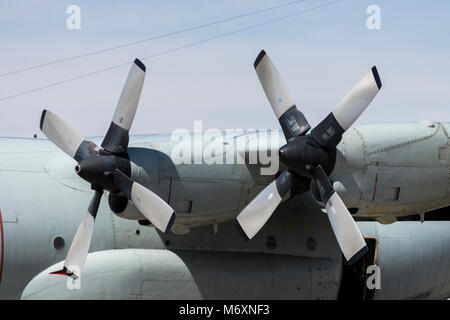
(216, 231)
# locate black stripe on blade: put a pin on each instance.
(293, 123)
(42, 119)
(95, 203)
(323, 183)
(284, 183)
(328, 133)
(139, 64)
(358, 255)
(116, 139)
(169, 225)
(241, 231)
(259, 58)
(376, 76)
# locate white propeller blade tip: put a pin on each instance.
(258, 59)
(139, 64)
(170, 223)
(358, 255)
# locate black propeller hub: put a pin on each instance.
(303, 153)
(98, 169)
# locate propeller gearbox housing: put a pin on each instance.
(302, 153)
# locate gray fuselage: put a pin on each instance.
(384, 170)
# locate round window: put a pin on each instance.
(59, 243)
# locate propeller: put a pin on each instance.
(309, 156)
(155, 209)
(106, 168)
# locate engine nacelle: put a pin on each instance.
(163, 274)
(412, 258)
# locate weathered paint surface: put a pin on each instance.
(42, 198)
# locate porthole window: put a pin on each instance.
(59, 243)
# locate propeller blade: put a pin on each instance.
(76, 257)
(347, 233)
(328, 133)
(116, 139)
(258, 211)
(155, 209)
(292, 121)
(65, 137)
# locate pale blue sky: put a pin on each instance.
(321, 54)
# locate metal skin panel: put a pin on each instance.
(42, 200)
(414, 259)
(413, 266)
(349, 169)
(188, 182)
(446, 130)
(161, 274)
(403, 155)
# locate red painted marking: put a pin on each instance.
(61, 272)
(2, 247)
(170, 190)
(375, 187)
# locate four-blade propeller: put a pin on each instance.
(310, 156)
(107, 168)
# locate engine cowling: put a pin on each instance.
(163, 274)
